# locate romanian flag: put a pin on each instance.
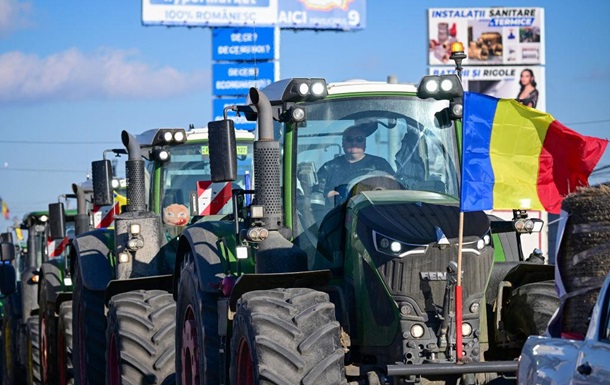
(5, 210)
(516, 157)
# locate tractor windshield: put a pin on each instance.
(396, 142)
(185, 178)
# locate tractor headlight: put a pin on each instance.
(296, 90)
(296, 114)
(466, 329)
(440, 87)
(168, 135)
(160, 155)
(431, 86)
(417, 331)
(395, 248)
(318, 88)
(446, 85)
(528, 225)
(179, 136)
(303, 89)
(487, 239)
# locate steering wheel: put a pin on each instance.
(371, 181)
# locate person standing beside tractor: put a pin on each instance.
(528, 93)
(355, 162)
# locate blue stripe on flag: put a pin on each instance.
(477, 173)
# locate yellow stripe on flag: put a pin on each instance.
(516, 143)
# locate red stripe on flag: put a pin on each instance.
(566, 161)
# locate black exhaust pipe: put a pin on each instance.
(267, 164)
(81, 222)
(135, 174)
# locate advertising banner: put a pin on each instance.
(243, 44)
(524, 83)
(491, 36)
(322, 14)
(218, 107)
(235, 79)
(344, 15)
(209, 13)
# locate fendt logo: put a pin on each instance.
(433, 276)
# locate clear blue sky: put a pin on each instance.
(83, 71)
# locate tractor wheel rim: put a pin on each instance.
(44, 356)
(113, 372)
(244, 364)
(190, 349)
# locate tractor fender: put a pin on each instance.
(203, 240)
(517, 274)
(156, 282)
(51, 276)
(93, 250)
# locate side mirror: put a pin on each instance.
(223, 153)
(101, 171)
(57, 221)
(7, 251)
(8, 279)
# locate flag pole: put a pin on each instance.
(457, 55)
(458, 294)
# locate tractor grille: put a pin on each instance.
(402, 275)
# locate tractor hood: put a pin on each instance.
(416, 217)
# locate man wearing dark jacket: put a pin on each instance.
(355, 162)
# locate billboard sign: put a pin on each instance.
(342, 15)
(218, 106)
(505, 82)
(209, 13)
(322, 14)
(243, 44)
(491, 36)
(235, 79)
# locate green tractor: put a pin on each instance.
(123, 309)
(11, 309)
(21, 362)
(55, 284)
(325, 282)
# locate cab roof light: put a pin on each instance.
(440, 87)
(296, 90)
(159, 137)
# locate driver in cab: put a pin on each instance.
(355, 162)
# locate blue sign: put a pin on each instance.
(240, 121)
(245, 44)
(235, 79)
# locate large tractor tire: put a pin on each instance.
(33, 359)
(197, 340)
(89, 339)
(286, 336)
(140, 338)
(64, 345)
(11, 373)
(50, 286)
(530, 309)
